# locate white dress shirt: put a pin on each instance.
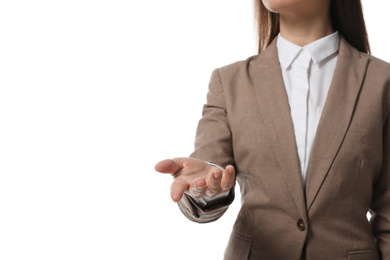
(307, 73)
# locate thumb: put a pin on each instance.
(168, 166)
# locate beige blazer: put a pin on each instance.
(247, 122)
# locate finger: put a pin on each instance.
(178, 187)
(197, 188)
(228, 178)
(168, 166)
(214, 183)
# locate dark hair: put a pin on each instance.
(346, 15)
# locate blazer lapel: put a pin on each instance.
(275, 111)
(336, 116)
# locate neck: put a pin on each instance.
(302, 30)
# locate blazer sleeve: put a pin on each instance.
(213, 143)
(380, 205)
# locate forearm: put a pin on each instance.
(380, 204)
(213, 144)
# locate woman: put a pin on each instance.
(305, 124)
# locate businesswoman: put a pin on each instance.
(304, 129)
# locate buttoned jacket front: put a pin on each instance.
(247, 122)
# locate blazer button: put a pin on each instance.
(301, 225)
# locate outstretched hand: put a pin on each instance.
(196, 178)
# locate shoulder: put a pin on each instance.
(378, 75)
(236, 69)
(377, 65)
(377, 79)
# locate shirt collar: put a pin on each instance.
(318, 50)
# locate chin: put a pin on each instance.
(278, 6)
(275, 5)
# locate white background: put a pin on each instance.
(92, 95)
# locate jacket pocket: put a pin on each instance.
(238, 248)
(366, 254)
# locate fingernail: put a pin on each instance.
(196, 187)
(217, 175)
(230, 170)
